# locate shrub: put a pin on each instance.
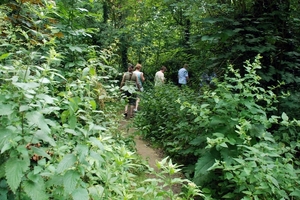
(227, 137)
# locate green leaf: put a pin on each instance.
(96, 156)
(55, 180)
(67, 162)
(3, 190)
(85, 71)
(284, 117)
(27, 86)
(80, 194)
(83, 151)
(72, 121)
(216, 120)
(4, 56)
(96, 191)
(93, 71)
(48, 99)
(207, 38)
(6, 109)
(93, 104)
(41, 135)
(72, 131)
(97, 143)
(35, 190)
(2, 170)
(14, 171)
(229, 196)
(203, 164)
(71, 178)
(6, 135)
(295, 193)
(272, 180)
(38, 119)
(75, 48)
(64, 116)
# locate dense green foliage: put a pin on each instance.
(59, 105)
(225, 136)
(60, 66)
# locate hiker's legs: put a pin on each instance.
(137, 104)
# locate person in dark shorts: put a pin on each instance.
(129, 86)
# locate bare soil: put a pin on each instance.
(144, 149)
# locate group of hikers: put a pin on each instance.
(133, 79)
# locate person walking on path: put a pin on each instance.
(183, 75)
(140, 79)
(159, 78)
(129, 85)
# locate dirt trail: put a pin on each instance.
(143, 149)
(148, 153)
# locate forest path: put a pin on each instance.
(148, 153)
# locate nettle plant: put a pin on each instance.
(241, 154)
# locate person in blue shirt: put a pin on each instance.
(183, 75)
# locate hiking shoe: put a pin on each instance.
(125, 114)
(135, 110)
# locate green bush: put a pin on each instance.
(227, 136)
(165, 122)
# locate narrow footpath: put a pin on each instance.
(149, 154)
(143, 149)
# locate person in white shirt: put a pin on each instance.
(140, 78)
(159, 78)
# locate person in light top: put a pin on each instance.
(140, 79)
(159, 78)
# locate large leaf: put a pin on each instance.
(83, 151)
(6, 135)
(80, 194)
(97, 143)
(71, 178)
(67, 162)
(35, 190)
(38, 119)
(203, 164)
(48, 99)
(72, 121)
(41, 135)
(6, 109)
(295, 193)
(14, 171)
(96, 191)
(27, 86)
